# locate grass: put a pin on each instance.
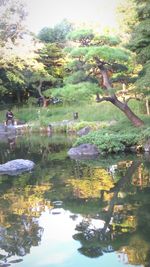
(89, 112)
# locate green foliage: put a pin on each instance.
(140, 41)
(79, 52)
(143, 81)
(17, 79)
(106, 40)
(32, 101)
(107, 53)
(127, 16)
(72, 93)
(140, 44)
(109, 142)
(34, 79)
(47, 35)
(56, 34)
(146, 134)
(86, 60)
(76, 126)
(3, 89)
(51, 58)
(83, 36)
(75, 65)
(16, 55)
(76, 77)
(26, 114)
(116, 138)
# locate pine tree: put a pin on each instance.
(94, 62)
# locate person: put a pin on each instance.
(9, 117)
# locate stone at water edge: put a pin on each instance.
(84, 131)
(84, 150)
(16, 166)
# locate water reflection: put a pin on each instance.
(73, 213)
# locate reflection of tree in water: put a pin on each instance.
(93, 243)
(88, 187)
(91, 252)
(20, 210)
(23, 233)
(125, 214)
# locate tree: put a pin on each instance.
(140, 44)
(11, 33)
(98, 59)
(127, 18)
(48, 71)
(57, 34)
(12, 30)
(135, 16)
(53, 58)
(17, 50)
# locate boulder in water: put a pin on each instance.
(17, 166)
(84, 150)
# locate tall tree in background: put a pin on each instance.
(52, 56)
(17, 48)
(140, 43)
(11, 34)
(49, 71)
(57, 34)
(97, 60)
(135, 15)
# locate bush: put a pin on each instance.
(110, 142)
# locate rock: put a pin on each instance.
(131, 149)
(147, 146)
(17, 166)
(83, 150)
(84, 131)
(6, 130)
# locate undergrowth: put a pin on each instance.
(116, 138)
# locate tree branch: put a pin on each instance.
(39, 87)
(107, 98)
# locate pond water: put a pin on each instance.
(73, 213)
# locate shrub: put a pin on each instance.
(110, 142)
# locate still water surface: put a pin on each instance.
(73, 213)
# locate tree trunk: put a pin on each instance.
(136, 121)
(39, 88)
(40, 93)
(18, 97)
(147, 107)
(115, 190)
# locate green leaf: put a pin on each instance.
(109, 54)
